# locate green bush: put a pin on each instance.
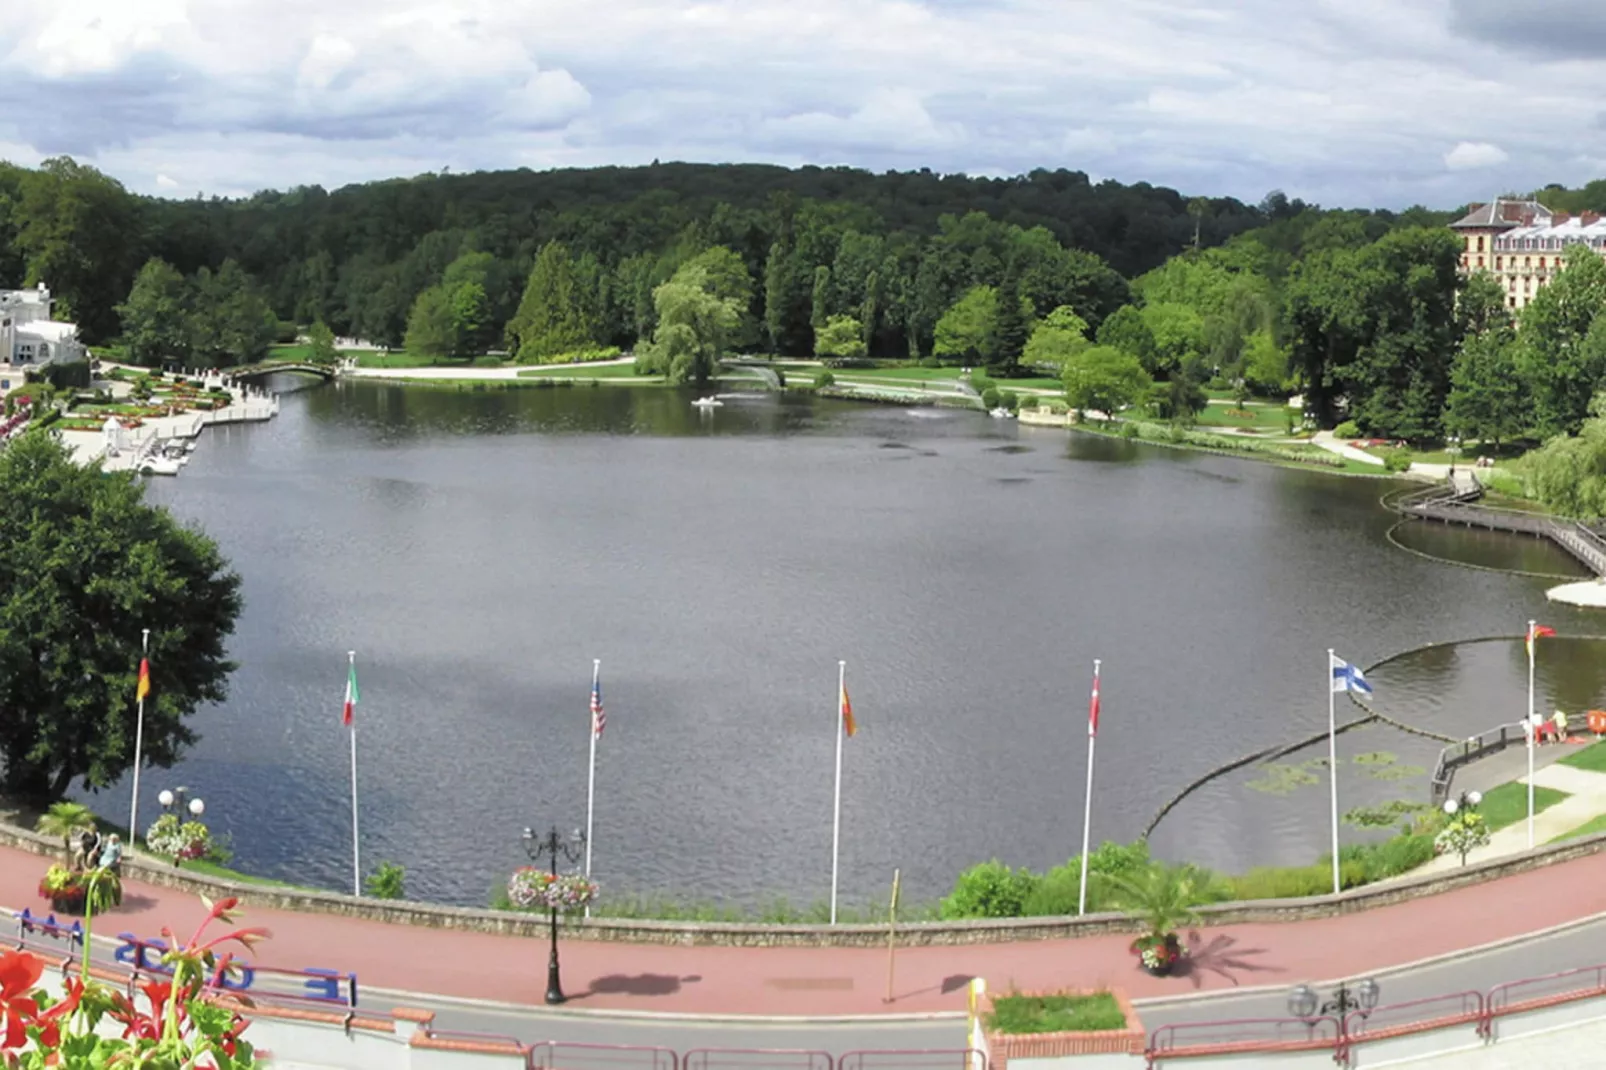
(929, 362)
(1058, 892)
(1296, 882)
(1397, 460)
(1347, 429)
(1057, 406)
(1395, 856)
(388, 881)
(1030, 402)
(980, 383)
(1009, 400)
(574, 356)
(1130, 429)
(989, 890)
(823, 378)
(989, 397)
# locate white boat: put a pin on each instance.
(156, 465)
(1000, 413)
(708, 403)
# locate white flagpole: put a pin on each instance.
(1087, 805)
(1531, 734)
(356, 841)
(139, 746)
(836, 812)
(591, 777)
(1332, 762)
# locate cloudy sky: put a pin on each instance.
(1342, 102)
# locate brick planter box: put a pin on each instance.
(1129, 1041)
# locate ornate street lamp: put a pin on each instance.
(572, 849)
(1469, 800)
(173, 802)
(1304, 1001)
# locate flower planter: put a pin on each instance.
(67, 904)
(1159, 956)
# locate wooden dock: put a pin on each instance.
(1455, 502)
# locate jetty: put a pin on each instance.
(1456, 501)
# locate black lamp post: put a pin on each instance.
(173, 803)
(1466, 804)
(552, 845)
(1304, 1001)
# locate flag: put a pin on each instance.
(1347, 677)
(1537, 631)
(1093, 707)
(144, 687)
(351, 696)
(848, 724)
(599, 720)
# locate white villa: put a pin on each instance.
(30, 339)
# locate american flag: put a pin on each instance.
(599, 720)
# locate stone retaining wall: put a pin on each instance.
(732, 934)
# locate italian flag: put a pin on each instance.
(351, 696)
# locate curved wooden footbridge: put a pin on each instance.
(1456, 501)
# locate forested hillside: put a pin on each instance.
(893, 251)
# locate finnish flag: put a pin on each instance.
(1347, 677)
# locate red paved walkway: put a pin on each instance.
(814, 981)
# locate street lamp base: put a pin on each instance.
(554, 994)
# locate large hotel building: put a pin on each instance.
(1523, 244)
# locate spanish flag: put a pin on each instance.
(847, 712)
(144, 687)
(1537, 631)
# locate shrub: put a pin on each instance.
(1397, 460)
(1295, 882)
(1057, 406)
(823, 378)
(990, 397)
(929, 362)
(1058, 892)
(1398, 855)
(388, 881)
(1009, 400)
(1129, 429)
(980, 383)
(989, 890)
(1030, 402)
(1347, 429)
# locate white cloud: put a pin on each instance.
(1474, 155)
(1335, 101)
(163, 182)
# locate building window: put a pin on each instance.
(1511, 302)
(1480, 243)
(1541, 263)
(1497, 264)
(1480, 261)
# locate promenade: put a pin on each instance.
(826, 982)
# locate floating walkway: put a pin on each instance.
(1455, 502)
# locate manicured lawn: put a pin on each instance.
(1017, 1013)
(1592, 757)
(375, 359)
(1508, 804)
(604, 371)
(1255, 417)
(1588, 828)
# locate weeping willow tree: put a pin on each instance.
(1568, 474)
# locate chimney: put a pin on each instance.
(1587, 218)
(1558, 218)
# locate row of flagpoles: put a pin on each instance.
(1343, 677)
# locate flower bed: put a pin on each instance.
(180, 842)
(530, 888)
(1052, 1024)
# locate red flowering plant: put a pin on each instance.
(178, 1028)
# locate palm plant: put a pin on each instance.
(1163, 897)
(63, 819)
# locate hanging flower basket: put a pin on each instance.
(1159, 955)
(530, 888)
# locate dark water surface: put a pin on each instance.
(478, 550)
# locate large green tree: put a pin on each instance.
(695, 326)
(1562, 357)
(1056, 338)
(1488, 400)
(968, 330)
(1103, 379)
(555, 315)
(85, 564)
(841, 336)
(230, 321)
(156, 316)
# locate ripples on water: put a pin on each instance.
(478, 549)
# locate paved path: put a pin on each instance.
(453, 372)
(828, 982)
(1586, 791)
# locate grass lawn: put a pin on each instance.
(1016, 1013)
(1592, 757)
(605, 371)
(1255, 418)
(1588, 828)
(377, 359)
(1508, 804)
(212, 869)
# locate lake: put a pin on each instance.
(478, 549)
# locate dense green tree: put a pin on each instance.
(1488, 400)
(786, 301)
(695, 326)
(76, 228)
(230, 320)
(968, 331)
(1568, 474)
(429, 325)
(1103, 379)
(1178, 334)
(1179, 398)
(841, 336)
(726, 276)
(155, 317)
(322, 342)
(1264, 365)
(85, 563)
(1055, 339)
(554, 317)
(1563, 365)
(1127, 331)
(1012, 317)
